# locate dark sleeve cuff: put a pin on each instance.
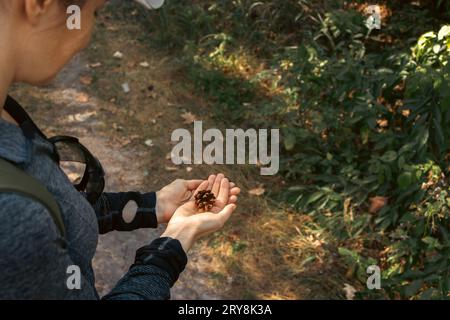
(165, 253)
(110, 206)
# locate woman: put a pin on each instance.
(34, 46)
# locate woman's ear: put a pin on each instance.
(35, 9)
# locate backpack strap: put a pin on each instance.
(14, 180)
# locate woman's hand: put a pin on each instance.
(171, 197)
(188, 224)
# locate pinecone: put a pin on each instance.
(204, 200)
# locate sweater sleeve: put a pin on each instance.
(109, 207)
(156, 269)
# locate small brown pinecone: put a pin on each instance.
(204, 200)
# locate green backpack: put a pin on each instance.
(14, 180)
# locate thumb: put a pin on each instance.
(226, 212)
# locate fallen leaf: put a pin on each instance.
(259, 191)
(126, 87)
(95, 65)
(118, 55)
(144, 64)
(82, 97)
(349, 291)
(377, 203)
(82, 117)
(189, 117)
(86, 80)
(149, 143)
(383, 123)
(171, 168)
(124, 142)
(117, 127)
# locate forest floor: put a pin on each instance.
(265, 252)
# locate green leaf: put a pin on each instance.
(405, 180)
(289, 142)
(436, 48)
(444, 32)
(389, 156)
(413, 288)
(422, 138)
(432, 242)
(315, 197)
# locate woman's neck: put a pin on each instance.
(6, 80)
(4, 86)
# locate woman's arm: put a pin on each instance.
(109, 209)
(152, 208)
(155, 270)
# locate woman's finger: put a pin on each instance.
(222, 197)
(211, 180)
(235, 191)
(226, 212)
(216, 186)
(232, 199)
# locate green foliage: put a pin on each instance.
(360, 119)
(359, 134)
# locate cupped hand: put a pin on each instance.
(172, 196)
(188, 223)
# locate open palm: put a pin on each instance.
(188, 216)
(174, 195)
